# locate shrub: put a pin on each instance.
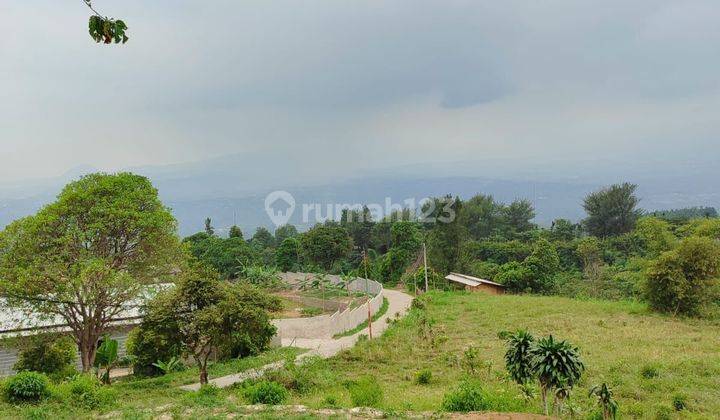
(423, 377)
(301, 379)
(468, 396)
(331, 401)
(649, 372)
(147, 346)
(27, 387)
(85, 391)
(684, 280)
(266, 392)
(47, 353)
(679, 402)
(206, 396)
(365, 392)
(311, 311)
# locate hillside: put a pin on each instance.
(621, 344)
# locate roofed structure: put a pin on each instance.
(475, 284)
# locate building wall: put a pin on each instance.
(486, 288)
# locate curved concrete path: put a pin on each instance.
(398, 303)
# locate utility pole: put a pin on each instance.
(425, 264)
(367, 291)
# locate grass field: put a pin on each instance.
(621, 343)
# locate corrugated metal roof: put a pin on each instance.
(470, 280)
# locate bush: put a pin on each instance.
(679, 402)
(423, 377)
(684, 280)
(86, 391)
(301, 379)
(365, 392)
(47, 353)
(468, 396)
(266, 392)
(206, 396)
(650, 372)
(29, 387)
(331, 401)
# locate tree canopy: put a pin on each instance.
(611, 211)
(86, 256)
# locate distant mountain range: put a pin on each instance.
(232, 189)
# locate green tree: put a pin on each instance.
(481, 216)
(543, 263)
(203, 315)
(285, 231)
(684, 280)
(611, 211)
(557, 366)
(517, 217)
(605, 400)
(235, 232)
(209, 229)
(564, 230)
(262, 239)
(326, 244)
(406, 244)
(287, 256)
(656, 235)
(446, 235)
(84, 257)
(518, 360)
(359, 224)
(226, 256)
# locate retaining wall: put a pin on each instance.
(326, 326)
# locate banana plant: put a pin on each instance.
(172, 365)
(106, 358)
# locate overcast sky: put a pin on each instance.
(360, 83)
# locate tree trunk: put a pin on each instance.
(543, 392)
(88, 349)
(203, 374)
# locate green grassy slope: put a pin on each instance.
(617, 340)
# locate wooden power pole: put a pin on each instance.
(367, 291)
(425, 264)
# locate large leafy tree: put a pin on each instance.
(203, 314)
(84, 258)
(611, 211)
(262, 239)
(285, 231)
(406, 243)
(325, 244)
(517, 217)
(226, 256)
(446, 235)
(481, 216)
(359, 224)
(287, 256)
(684, 280)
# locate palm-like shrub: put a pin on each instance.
(106, 358)
(517, 357)
(557, 366)
(605, 400)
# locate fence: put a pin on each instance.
(326, 326)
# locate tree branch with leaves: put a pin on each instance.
(105, 29)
